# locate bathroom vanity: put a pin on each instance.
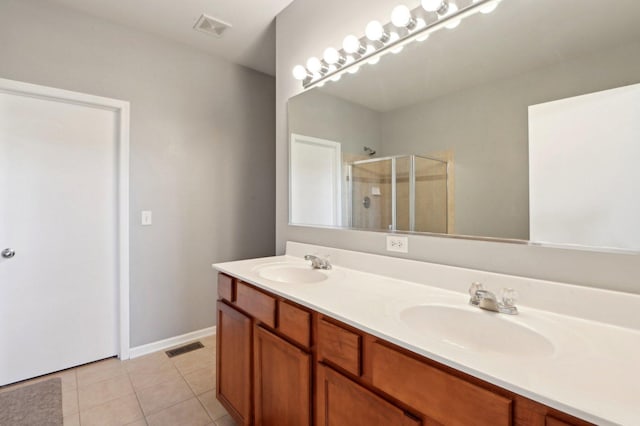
(299, 346)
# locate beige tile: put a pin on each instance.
(151, 362)
(67, 379)
(72, 420)
(226, 421)
(189, 413)
(145, 377)
(209, 341)
(121, 411)
(69, 402)
(104, 391)
(100, 371)
(141, 422)
(164, 395)
(192, 361)
(211, 404)
(201, 380)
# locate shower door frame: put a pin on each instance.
(412, 188)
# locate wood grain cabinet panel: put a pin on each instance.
(445, 398)
(339, 346)
(342, 402)
(259, 305)
(294, 323)
(282, 382)
(233, 378)
(225, 287)
(552, 421)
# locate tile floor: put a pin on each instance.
(150, 390)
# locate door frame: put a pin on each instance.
(336, 148)
(121, 109)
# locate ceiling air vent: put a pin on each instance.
(211, 26)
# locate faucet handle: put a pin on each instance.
(475, 286)
(509, 297)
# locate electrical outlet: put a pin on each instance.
(397, 244)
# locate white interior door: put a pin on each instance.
(315, 170)
(59, 214)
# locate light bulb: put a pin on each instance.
(393, 37)
(432, 5)
(331, 55)
(336, 77)
(314, 65)
(401, 16)
(374, 31)
(450, 11)
(299, 72)
(420, 24)
(351, 44)
(321, 84)
(489, 7)
(353, 70)
(375, 59)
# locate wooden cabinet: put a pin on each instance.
(233, 379)
(441, 396)
(339, 346)
(282, 364)
(294, 323)
(256, 303)
(282, 381)
(342, 402)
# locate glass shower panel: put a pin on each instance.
(371, 194)
(403, 193)
(431, 208)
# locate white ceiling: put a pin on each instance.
(250, 41)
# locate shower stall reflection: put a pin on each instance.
(399, 193)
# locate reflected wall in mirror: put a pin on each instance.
(496, 107)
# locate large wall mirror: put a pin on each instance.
(523, 124)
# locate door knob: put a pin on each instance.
(8, 253)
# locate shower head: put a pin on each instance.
(370, 152)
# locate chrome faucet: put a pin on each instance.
(485, 299)
(318, 262)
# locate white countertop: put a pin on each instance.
(592, 369)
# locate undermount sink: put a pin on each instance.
(292, 274)
(477, 330)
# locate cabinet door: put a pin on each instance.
(341, 401)
(282, 378)
(233, 369)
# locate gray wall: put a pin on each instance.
(202, 143)
(486, 127)
(302, 31)
(328, 117)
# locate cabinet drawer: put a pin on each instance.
(445, 398)
(294, 323)
(225, 287)
(341, 401)
(339, 346)
(259, 305)
(552, 421)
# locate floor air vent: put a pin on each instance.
(211, 26)
(184, 349)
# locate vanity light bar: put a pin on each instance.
(388, 38)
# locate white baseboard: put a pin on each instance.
(171, 341)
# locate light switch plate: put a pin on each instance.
(397, 244)
(146, 218)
